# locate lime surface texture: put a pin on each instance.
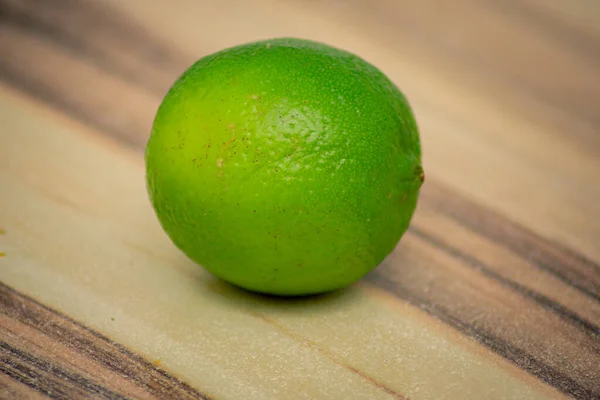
(284, 166)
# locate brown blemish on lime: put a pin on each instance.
(220, 166)
(419, 171)
(230, 141)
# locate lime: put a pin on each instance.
(284, 166)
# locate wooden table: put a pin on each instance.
(494, 293)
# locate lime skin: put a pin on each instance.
(284, 166)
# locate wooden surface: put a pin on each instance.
(493, 293)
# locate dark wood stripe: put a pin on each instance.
(439, 289)
(107, 35)
(498, 319)
(570, 267)
(19, 18)
(519, 357)
(38, 89)
(89, 345)
(550, 26)
(12, 389)
(473, 54)
(544, 301)
(48, 378)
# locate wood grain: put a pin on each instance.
(115, 271)
(13, 389)
(59, 357)
(504, 249)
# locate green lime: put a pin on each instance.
(284, 166)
